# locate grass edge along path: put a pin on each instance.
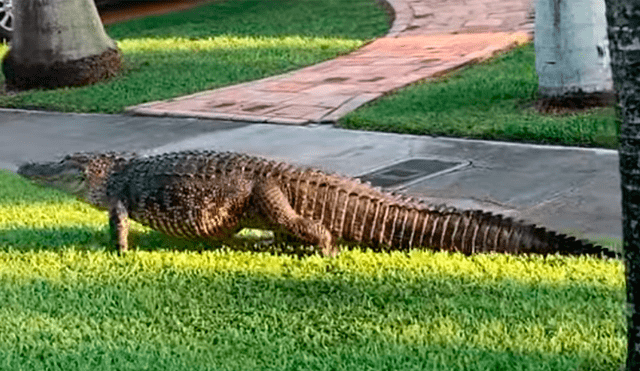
(68, 303)
(490, 100)
(215, 45)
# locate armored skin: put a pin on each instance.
(211, 195)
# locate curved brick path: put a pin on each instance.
(428, 38)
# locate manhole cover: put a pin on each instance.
(409, 171)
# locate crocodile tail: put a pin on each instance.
(357, 212)
(475, 231)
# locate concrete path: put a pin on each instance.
(574, 190)
(428, 39)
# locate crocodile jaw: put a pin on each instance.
(59, 175)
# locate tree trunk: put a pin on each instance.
(58, 43)
(572, 55)
(623, 17)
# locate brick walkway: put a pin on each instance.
(428, 38)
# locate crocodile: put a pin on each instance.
(207, 195)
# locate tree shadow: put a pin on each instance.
(86, 238)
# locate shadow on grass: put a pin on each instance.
(86, 238)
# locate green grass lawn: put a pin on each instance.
(214, 45)
(492, 100)
(68, 302)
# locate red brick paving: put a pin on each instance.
(428, 39)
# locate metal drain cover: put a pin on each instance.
(409, 171)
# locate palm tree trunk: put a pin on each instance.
(572, 56)
(58, 43)
(623, 18)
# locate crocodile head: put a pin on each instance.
(83, 175)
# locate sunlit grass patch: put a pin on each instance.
(409, 267)
(139, 45)
(257, 308)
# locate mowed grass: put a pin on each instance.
(214, 45)
(492, 100)
(68, 302)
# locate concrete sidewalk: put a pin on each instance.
(427, 39)
(567, 189)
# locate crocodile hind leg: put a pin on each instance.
(274, 205)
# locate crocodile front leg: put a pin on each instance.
(119, 225)
(274, 205)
